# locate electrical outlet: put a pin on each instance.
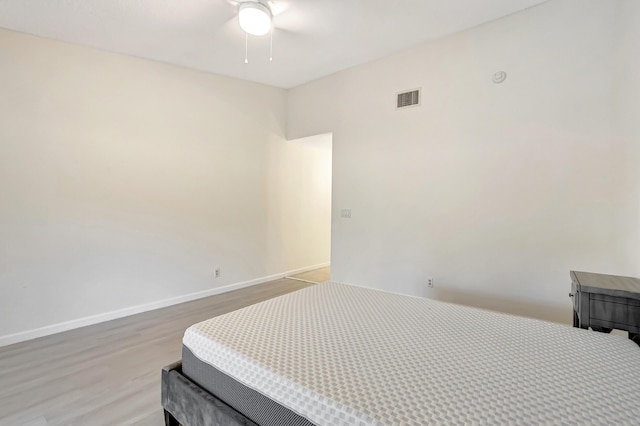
(216, 273)
(430, 282)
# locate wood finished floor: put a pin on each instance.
(109, 373)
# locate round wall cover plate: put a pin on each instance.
(499, 77)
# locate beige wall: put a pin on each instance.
(626, 104)
(124, 182)
(495, 191)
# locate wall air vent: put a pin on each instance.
(408, 99)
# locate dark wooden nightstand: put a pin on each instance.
(604, 302)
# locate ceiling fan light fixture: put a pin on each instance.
(254, 18)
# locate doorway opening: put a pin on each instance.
(314, 183)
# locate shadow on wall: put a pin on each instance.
(558, 314)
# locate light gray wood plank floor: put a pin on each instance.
(316, 276)
(109, 373)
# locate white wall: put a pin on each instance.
(626, 104)
(496, 191)
(123, 182)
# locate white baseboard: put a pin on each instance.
(22, 336)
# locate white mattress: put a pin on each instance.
(344, 355)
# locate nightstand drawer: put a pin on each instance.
(614, 310)
(607, 310)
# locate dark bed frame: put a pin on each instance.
(186, 403)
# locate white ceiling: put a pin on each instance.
(313, 38)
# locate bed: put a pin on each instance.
(335, 354)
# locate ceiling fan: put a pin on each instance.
(255, 18)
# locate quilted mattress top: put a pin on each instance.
(344, 355)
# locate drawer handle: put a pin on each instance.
(570, 294)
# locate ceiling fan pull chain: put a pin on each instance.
(246, 48)
(271, 46)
